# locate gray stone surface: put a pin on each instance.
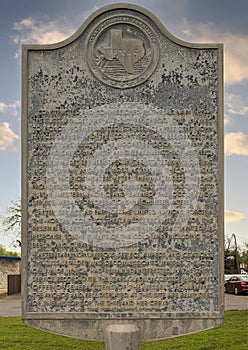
(122, 180)
(11, 305)
(122, 337)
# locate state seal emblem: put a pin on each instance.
(123, 51)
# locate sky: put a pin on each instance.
(197, 21)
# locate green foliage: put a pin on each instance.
(240, 255)
(5, 252)
(231, 335)
(244, 254)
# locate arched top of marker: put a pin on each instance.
(126, 8)
(121, 44)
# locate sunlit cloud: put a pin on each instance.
(33, 31)
(45, 31)
(30, 30)
(236, 143)
(233, 216)
(8, 139)
(235, 46)
(11, 109)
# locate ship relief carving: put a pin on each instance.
(123, 52)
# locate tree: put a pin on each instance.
(234, 255)
(12, 222)
(244, 256)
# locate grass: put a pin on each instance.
(231, 335)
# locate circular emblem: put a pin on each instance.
(123, 51)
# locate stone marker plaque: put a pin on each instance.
(122, 180)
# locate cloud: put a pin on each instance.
(235, 46)
(233, 216)
(235, 104)
(8, 139)
(236, 67)
(236, 143)
(34, 31)
(11, 109)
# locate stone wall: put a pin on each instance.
(8, 266)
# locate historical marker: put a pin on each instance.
(122, 180)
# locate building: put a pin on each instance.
(9, 265)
